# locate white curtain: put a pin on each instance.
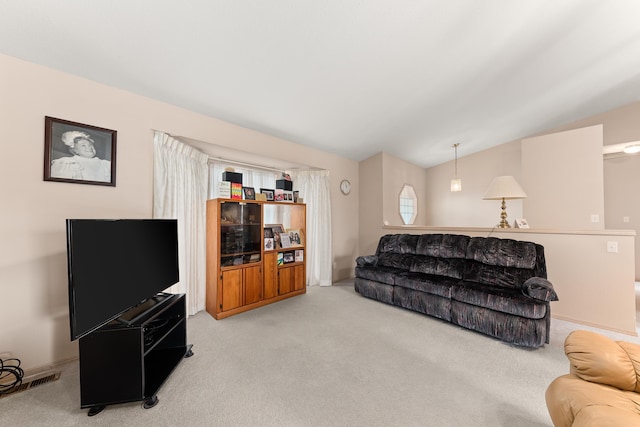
(250, 177)
(180, 192)
(256, 178)
(314, 189)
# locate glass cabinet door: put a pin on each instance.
(240, 233)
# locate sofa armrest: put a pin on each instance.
(367, 261)
(540, 289)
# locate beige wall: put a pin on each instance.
(467, 208)
(622, 175)
(620, 125)
(371, 201)
(397, 173)
(382, 178)
(33, 281)
(562, 174)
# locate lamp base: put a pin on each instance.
(503, 216)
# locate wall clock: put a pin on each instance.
(345, 187)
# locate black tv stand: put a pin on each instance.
(129, 361)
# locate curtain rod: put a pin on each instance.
(249, 165)
(232, 162)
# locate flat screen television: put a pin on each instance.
(115, 265)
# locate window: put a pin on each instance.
(408, 204)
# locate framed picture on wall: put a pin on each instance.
(79, 153)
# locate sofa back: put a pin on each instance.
(503, 262)
(484, 260)
(437, 254)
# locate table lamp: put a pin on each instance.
(504, 187)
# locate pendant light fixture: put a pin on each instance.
(456, 183)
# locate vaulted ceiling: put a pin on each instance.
(352, 77)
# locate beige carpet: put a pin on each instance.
(327, 358)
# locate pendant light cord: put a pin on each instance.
(455, 163)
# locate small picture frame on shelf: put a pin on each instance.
(280, 258)
(269, 193)
(279, 195)
(285, 240)
(299, 255)
(224, 189)
(269, 244)
(276, 229)
(288, 257)
(296, 195)
(296, 237)
(248, 193)
(287, 196)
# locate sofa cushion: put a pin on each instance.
(422, 302)
(502, 252)
(505, 300)
(573, 401)
(507, 327)
(385, 275)
(397, 243)
(442, 245)
(395, 260)
(495, 275)
(374, 290)
(447, 267)
(435, 285)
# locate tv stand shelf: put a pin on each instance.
(128, 362)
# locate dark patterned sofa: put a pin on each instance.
(494, 286)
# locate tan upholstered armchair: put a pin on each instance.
(603, 386)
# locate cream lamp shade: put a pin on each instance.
(502, 188)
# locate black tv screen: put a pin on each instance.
(114, 265)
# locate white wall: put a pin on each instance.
(33, 281)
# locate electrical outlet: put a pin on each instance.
(595, 218)
(612, 247)
(625, 219)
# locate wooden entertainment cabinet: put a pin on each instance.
(243, 274)
(129, 359)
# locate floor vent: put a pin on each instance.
(34, 380)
